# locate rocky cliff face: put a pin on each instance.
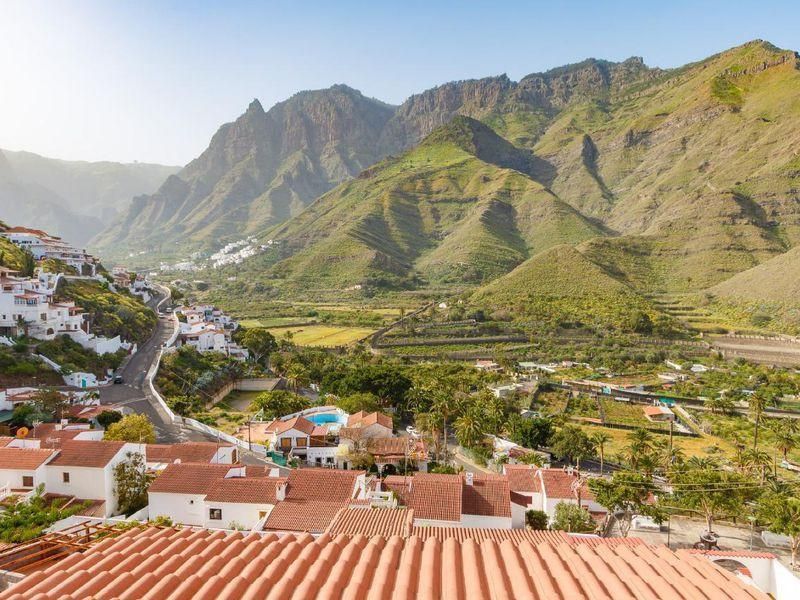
(266, 167)
(257, 171)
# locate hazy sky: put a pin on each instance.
(152, 81)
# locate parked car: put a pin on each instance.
(118, 379)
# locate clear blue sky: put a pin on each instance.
(152, 80)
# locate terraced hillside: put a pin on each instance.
(460, 207)
(663, 184)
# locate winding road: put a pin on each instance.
(134, 394)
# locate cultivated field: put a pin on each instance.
(323, 335)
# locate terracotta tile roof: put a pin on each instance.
(350, 433)
(313, 516)
(298, 423)
(373, 521)
(488, 496)
(334, 485)
(533, 536)
(188, 478)
(5, 440)
(363, 419)
(251, 490)
(313, 498)
(654, 411)
(23, 459)
(397, 447)
(432, 496)
(186, 452)
(54, 438)
(558, 484)
(523, 478)
(446, 497)
(86, 453)
(160, 564)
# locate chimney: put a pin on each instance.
(280, 491)
(469, 477)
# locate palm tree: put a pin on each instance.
(428, 424)
(758, 461)
(785, 436)
(469, 430)
(599, 441)
(296, 376)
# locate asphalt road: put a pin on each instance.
(134, 394)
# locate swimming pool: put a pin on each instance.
(325, 418)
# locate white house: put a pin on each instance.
(85, 469)
(544, 489)
(43, 245)
(214, 495)
(208, 329)
(22, 469)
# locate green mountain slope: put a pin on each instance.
(698, 164)
(560, 286)
(459, 208)
(776, 280)
(260, 170)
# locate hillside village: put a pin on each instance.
(501, 339)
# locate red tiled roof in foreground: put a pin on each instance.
(168, 564)
(313, 516)
(373, 521)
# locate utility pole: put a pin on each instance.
(671, 424)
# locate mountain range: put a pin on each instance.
(73, 199)
(662, 181)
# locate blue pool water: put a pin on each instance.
(323, 418)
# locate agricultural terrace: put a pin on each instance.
(322, 335)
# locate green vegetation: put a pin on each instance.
(135, 428)
(726, 92)
(21, 521)
(131, 481)
(271, 405)
(188, 379)
(572, 518)
(112, 314)
(74, 357)
(18, 367)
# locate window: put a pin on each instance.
(329, 460)
(215, 514)
(301, 442)
(65, 477)
(27, 481)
